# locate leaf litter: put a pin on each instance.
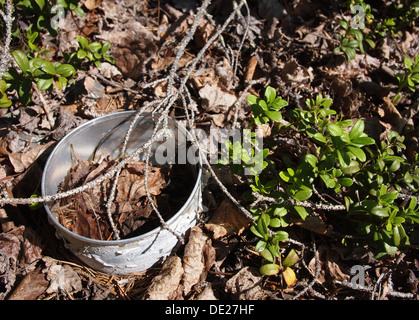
(287, 47)
(85, 213)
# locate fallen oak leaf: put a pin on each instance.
(215, 99)
(227, 220)
(198, 258)
(166, 284)
(24, 159)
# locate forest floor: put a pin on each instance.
(288, 45)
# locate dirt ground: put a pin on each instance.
(285, 44)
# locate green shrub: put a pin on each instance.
(373, 182)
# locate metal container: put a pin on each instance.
(94, 139)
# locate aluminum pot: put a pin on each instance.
(97, 138)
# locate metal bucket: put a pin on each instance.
(94, 139)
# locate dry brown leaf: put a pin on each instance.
(18, 252)
(23, 160)
(206, 294)
(31, 287)
(62, 278)
(6, 223)
(293, 72)
(314, 224)
(131, 184)
(246, 284)
(215, 99)
(227, 220)
(165, 285)
(203, 33)
(392, 115)
(87, 226)
(331, 266)
(92, 4)
(251, 67)
(199, 256)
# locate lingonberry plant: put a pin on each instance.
(32, 67)
(373, 186)
(40, 71)
(363, 30)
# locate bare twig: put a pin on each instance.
(394, 294)
(306, 204)
(8, 18)
(316, 274)
(44, 105)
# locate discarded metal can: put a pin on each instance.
(104, 136)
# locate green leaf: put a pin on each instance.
(280, 212)
(262, 104)
(274, 115)
(5, 102)
(302, 212)
(48, 67)
(303, 194)
(41, 3)
(346, 182)
(389, 197)
(275, 223)
(106, 46)
(363, 141)
(395, 166)
(83, 42)
(358, 153)
(344, 24)
(66, 70)
(343, 158)
(269, 269)
(270, 94)
(349, 52)
(260, 246)
(278, 104)
(285, 176)
(413, 203)
(291, 258)
(391, 250)
(328, 181)
(380, 211)
(35, 205)
(21, 60)
(24, 91)
(335, 130)
(61, 83)
(357, 129)
(311, 159)
(79, 11)
(44, 83)
(407, 63)
(266, 254)
(357, 33)
(370, 42)
(281, 236)
(345, 123)
(94, 46)
(319, 137)
(252, 99)
(81, 54)
(256, 232)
